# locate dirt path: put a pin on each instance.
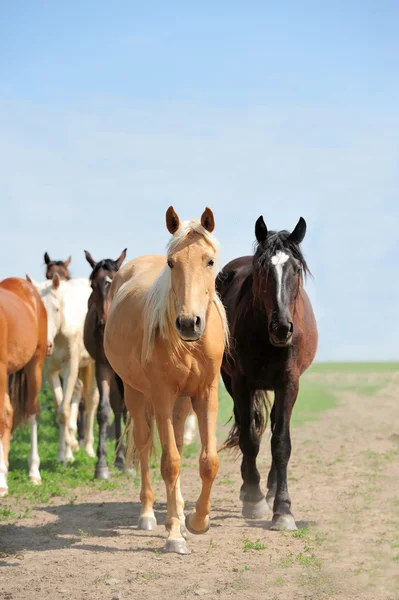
(344, 487)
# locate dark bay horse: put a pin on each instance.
(57, 266)
(273, 341)
(111, 389)
(23, 347)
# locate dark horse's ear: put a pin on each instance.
(172, 220)
(90, 259)
(299, 232)
(260, 230)
(46, 258)
(208, 220)
(120, 260)
(68, 261)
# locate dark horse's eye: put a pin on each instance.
(211, 262)
(170, 264)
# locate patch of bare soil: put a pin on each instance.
(344, 487)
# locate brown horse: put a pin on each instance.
(99, 303)
(23, 345)
(57, 266)
(274, 335)
(165, 336)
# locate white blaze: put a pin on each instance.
(278, 261)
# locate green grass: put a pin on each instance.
(257, 545)
(316, 395)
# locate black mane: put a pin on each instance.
(108, 264)
(275, 241)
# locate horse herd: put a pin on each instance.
(151, 339)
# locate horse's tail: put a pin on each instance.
(261, 407)
(132, 454)
(18, 392)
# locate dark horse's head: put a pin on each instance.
(57, 266)
(279, 266)
(101, 279)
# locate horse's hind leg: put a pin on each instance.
(33, 372)
(143, 436)
(253, 500)
(189, 428)
(207, 411)
(91, 404)
(284, 399)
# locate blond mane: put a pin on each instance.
(159, 311)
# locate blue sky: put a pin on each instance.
(109, 113)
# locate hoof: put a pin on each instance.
(147, 523)
(283, 523)
(197, 531)
(90, 452)
(3, 492)
(178, 546)
(119, 464)
(36, 480)
(254, 510)
(270, 499)
(101, 473)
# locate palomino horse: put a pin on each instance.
(23, 344)
(165, 336)
(66, 305)
(57, 266)
(99, 303)
(275, 340)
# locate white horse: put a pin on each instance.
(66, 305)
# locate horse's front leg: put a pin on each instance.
(118, 405)
(182, 408)
(170, 470)
(69, 376)
(104, 375)
(285, 396)
(206, 409)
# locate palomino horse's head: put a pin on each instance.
(191, 258)
(57, 266)
(101, 279)
(51, 298)
(278, 267)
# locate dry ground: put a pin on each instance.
(344, 485)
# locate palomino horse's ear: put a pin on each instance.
(122, 257)
(67, 262)
(46, 258)
(299, 232)
(56, 281)
(260, 230)
(208, 220)
(90, 259)
(172, 220)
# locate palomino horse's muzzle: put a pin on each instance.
(190, 328)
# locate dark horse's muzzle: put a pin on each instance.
(281, 332)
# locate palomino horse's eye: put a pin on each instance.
(211, 262)
(170, 264)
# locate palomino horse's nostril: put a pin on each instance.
(197, 321)
(178, 323)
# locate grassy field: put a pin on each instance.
(320, 390)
